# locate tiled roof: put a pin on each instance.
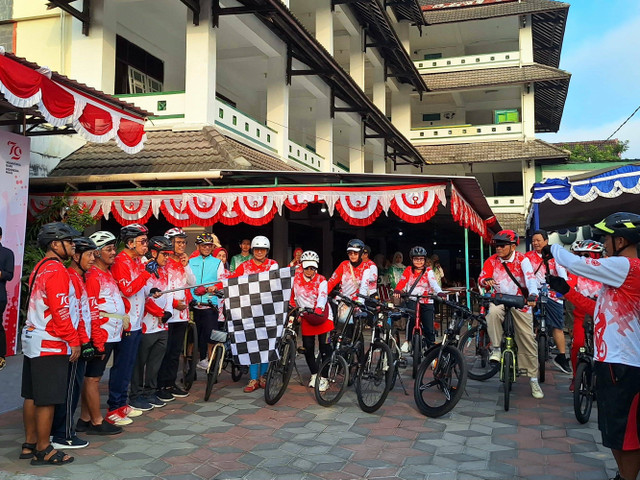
(491, 152)
(169, 151)
(512, 221)
(462, 14)
(492, 77)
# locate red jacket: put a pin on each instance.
(131, 278)
(103, 291)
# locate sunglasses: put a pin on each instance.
(311, 268)
(144, 241)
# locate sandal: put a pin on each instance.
(55, 458)
(27, 446)
(3, 363)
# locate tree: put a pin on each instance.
(592, 152)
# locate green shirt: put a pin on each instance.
(237, 260)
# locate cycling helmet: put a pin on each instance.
(418, 252)
(103, 238)
(310, 259)
(175, 233)
(160, 244)
(355, 245)
(204, 238)
(573, 246)
(84, 244)
(260, 242)
(621, 224)
(132, 231)
(506, 237)
(55, 231)
(588, 246)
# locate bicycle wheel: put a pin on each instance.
(335, 370)
(583, 392)
(212, 371)
(508, 372)
(374, 380)
(416, 353)
(279, 372)
(353, 361)
(542, 357)
(190, 356)
(474, 346)
(440, 382)
(395, 357)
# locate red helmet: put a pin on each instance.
(589, 248)
(506, 237)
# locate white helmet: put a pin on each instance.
(175, 232)
(103, 238)
(310, 259)
(574, 245)
(260, 242)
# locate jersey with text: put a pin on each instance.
(425, 286)
(352, 280)
(131, 277)
(103, 290)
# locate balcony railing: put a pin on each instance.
(164, 105)
(242, 124)
(467, 62)
(505, 131)
(304, 156)
(506, 204)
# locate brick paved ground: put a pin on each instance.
(235, 435)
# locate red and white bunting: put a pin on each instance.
(466, 216)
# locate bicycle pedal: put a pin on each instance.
(402, 363)
(301, 350)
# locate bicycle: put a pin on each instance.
(475, 346)
(190, 354)
(540, 328)
(220, 359)
(417, 339)
(584, 391)
(280, 370)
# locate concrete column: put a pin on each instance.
(402, 29)
(379, 89)
(278, 101)
(356, 150)
(324, 24)
(93, 57)
(528, 112)
(327, 247)
(200, 69)
(377, 151)
(356, 60)
(526, 39)
(280, 240)
(324, 132)
(401, 109)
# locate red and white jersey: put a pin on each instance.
(425, 286)
(178, 276)
(372, 277)
(154, 308)
(51, 327)
(103, 290)
(131, 278)
(520, 267)
(540, 270)
(617, 311)
(585, 286)
(81, 301)
(310, 293)
(249, 267)
(352, 280)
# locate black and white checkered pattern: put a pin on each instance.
(257, 306)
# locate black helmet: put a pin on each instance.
(418, 252)
(132, 231)
(621, 224)
(55, 231)
(355, 245)
(84, 244)
(506, 237)
(160, 244)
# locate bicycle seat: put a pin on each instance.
(218, 336)
(509, 301)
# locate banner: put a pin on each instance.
(14, 195)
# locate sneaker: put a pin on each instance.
(140, 403)
(252, 386)
(128, 411)
(177, 392)
(405, 347)
(263, 382)
(82, 426)
(154, 400)
(104, 428)
(116, 418)
(324, 384)
(562, 363)
(312, 381)
(203, 364)
(496, 355)
(68, 443)
(165, 395)
(536, 391)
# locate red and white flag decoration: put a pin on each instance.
(466, 216)
(60, 105)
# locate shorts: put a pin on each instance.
(555, 315)
(97, 366)
(618, 397)
(44, 379)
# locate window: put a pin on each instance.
(430, 117)
(432, 56)
(137, 71)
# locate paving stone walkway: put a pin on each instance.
(236, 435)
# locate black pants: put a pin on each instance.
(62, 426)
(144, 380)
(206, 320)
(309, 344)
(426, 321)
(169, 368)
(3, 337)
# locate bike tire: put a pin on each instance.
(236, 372)
(395, 356)
(190, 361)
(440, 382)
(416, 353)
(337, 374)
(212, 372)
(353, 361)
(508, 372)
(279, 372)
(542, 357)
(374, 379)
(474, 346)
(583, 392)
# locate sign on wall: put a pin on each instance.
(14, 194)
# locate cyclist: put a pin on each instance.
(310, 291)
(616, 336)
(353, 275)
(50, 341)
(555, 308)
(418, 279)
(179, 275)
(243, 256)
(296, 258)
(373, 270)
(510, 272)
(106, 331)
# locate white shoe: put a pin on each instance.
(405, 347)
(324, 384)
(312, 381)
(203, 364)
(495, 355)
(536, 391)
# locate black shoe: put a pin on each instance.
(178, 392)
(562, 363)
(82, 426)
(68, 443)
(105, 428)
(154, 400)
(165, 395)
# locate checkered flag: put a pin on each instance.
(257, 306)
